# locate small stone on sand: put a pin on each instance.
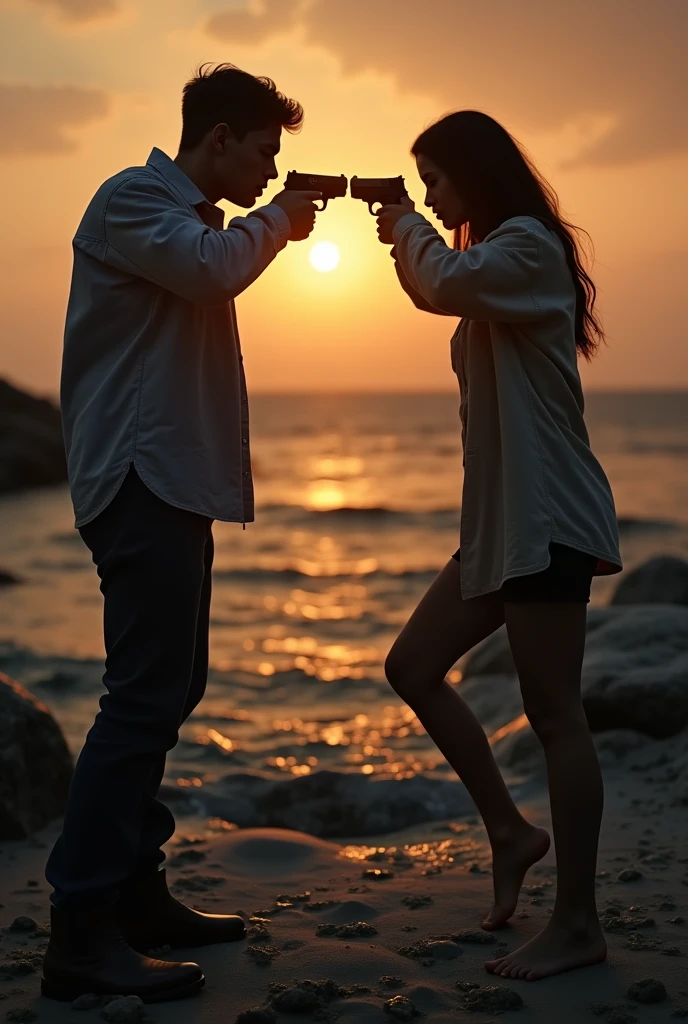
(124, 1009)
(492, 998)
(401, 1008)
(23, 924)
(649, 990)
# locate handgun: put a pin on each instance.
(331, 186)
(378, 190)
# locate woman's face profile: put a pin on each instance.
(440, 195)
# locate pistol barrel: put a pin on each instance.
(331, 186)
(378, 190)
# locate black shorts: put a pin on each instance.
(567, 578)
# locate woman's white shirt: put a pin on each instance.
(530, 476)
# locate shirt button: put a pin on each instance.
(246, 472)
(244, 440)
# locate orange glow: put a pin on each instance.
(351, 328)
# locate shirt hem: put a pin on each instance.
(231, 517)
(614, 564)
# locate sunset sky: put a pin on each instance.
(595, 89)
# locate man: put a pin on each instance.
(156, 427)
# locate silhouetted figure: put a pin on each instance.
(537, 517)
(156, 425)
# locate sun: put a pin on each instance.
(324, 256)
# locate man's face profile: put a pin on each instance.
(244, 167)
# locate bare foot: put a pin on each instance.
(511, 859)
(553, 950)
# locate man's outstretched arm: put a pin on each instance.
(150, 235)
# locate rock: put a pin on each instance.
(401, 1008)
(491, 999)
(31, 443)
(257, 1015)
(262, 955)
(647, 991)
(479, 938)
(353, 930)
(124, 1009)
(493, 656)
(391, 981)
(443, 949)
(629, 875)
(306, 996)
(331, 804)
(35, 763)
(663, 580)
(415, 901)
(635, 672)
(90, 1001)
(23, 924)
(618, 1015)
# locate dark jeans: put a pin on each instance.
(154, 563)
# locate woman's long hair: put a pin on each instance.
(496, 180)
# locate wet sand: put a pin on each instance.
(389, 927)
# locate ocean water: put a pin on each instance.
(357, 509)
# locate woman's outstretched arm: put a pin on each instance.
(416, 298)
(497, 279)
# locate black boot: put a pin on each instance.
(150, 917)
(87, 953)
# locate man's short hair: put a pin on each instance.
(223, 94)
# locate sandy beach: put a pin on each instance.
(390, 928)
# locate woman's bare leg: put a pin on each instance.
(442, 629)
(547, 641)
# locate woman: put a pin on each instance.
(537, 520)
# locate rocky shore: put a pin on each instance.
(31, 444)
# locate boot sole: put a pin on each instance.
(68, 993)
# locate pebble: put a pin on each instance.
(629, 875)
(649, 990)
(124, 1009)
(492, 998)
(354, 930)
(477, 937)
(257, 1015)
(23, 924)
(391, 981)
(262, 955)
(401, 1008)
(90, 1001)
(414, 902)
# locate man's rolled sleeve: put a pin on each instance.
(152, 236)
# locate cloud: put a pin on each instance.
(535, 65)
(37, 120)
(80, 11)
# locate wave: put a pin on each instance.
(345, 572)
(372, 513)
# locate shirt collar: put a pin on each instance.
(175, 175)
